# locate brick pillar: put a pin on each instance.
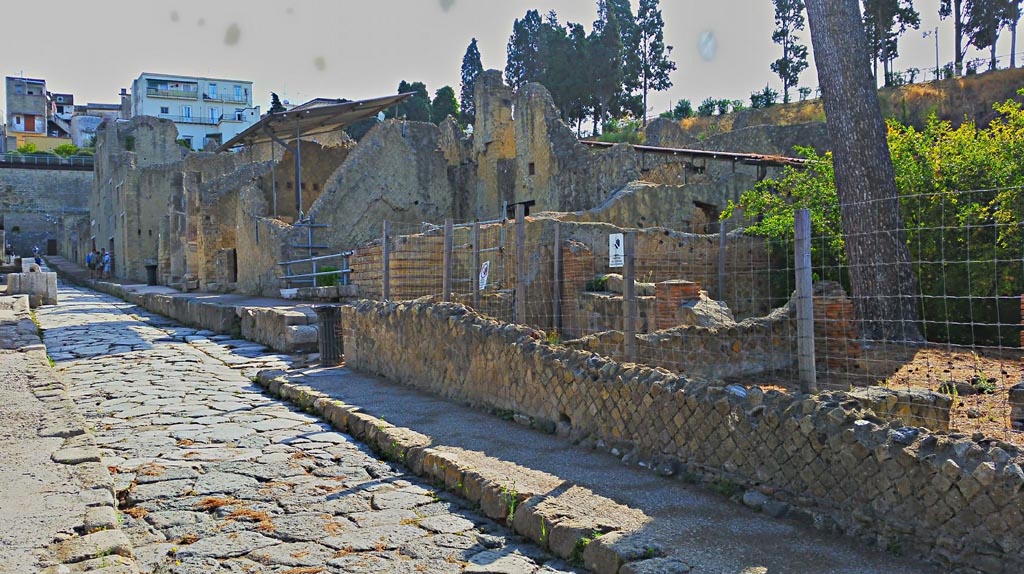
(669, 296)
(835, 326)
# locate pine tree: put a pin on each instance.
(444, 105)
(605, 65)
(789, 19)
(884, 22)
(985, 21)
(472, 67)
(524, 60)
(882, 281)
(655, 67)
(275, 104)
(957, 10)
(626, 100)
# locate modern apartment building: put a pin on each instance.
(205, 110)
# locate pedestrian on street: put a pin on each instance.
(88, 262)
(106, 264)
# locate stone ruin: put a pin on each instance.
(197, 216)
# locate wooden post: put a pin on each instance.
(723, 246)
(804, 302)
(520, 264)
(629, 296)
(556, 295)
(386, 263)
(446, 274)
(475, 264)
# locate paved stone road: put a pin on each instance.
(214, 476)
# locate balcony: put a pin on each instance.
(172, 94)
(191, 119)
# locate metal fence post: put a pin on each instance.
(556, 296)
(629, 296)
(446, 261)
(723, 247)
(475, 274)
(804, 302)
(520, 263)
(385, 256)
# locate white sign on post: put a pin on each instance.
(484, 270)
(616, 250)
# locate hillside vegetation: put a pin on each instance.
(952, 100)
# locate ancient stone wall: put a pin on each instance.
(319, 163)
(34, 203)
(951, 498)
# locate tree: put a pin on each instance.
(417, 107)
(884, 22)
(524, 59)
(789, 19)
(708, 107)
(472, 67)
(986, 19)
(275, 104)
(605, 65)
(626, 100)
(881, 279)
(683, 110)
(655, 67)
(765, 98)
(957, 10)
(444, 105)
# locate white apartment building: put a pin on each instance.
(205, 110)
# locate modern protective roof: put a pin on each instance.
(309, 119)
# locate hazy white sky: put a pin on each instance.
(356, 49)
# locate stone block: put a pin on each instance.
(41, 288)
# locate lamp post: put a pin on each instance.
(934, 33)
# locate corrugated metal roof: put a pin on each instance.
(315, 117)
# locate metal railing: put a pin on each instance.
(181, 94)
(191, 119)
(47, 159)
(230, 98)
(291, 278)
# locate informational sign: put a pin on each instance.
(616, 249)
(485, 269)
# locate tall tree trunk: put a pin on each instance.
(1013, 43)
(885, 70)
(884, 289)
(958, 34)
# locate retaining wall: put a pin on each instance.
(949, 497)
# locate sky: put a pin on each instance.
(303, 49)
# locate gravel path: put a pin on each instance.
(213, 476)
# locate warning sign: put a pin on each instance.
(485, 269)
(616, 250)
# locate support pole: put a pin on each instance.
(475, 272)
(556, 295)
(722, 250)
(446, 274)
(273, 175)
(629, 296)
(520, 263)
(298, 168)
(385, 257)
(804, 302)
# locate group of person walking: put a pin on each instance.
(98, 263)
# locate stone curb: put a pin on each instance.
(101, 547)
(601, 545)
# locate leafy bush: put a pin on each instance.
(66, 150)
(707, 107)
(327, 280)
(28, 147)
(765, 98)
(624, 130)
(962, 206)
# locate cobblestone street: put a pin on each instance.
(214, 476)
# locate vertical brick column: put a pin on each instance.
(669, 296)
(835, 326)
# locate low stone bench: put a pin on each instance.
(40, 287)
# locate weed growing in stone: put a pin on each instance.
(726, 487)
(581, 545)
(511, 497)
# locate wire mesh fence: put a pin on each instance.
(723, 306)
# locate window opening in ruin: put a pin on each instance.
(532, 168)
(711, 214)
(139, 233)
(151, 233)
(316, 187)
(290, 185)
